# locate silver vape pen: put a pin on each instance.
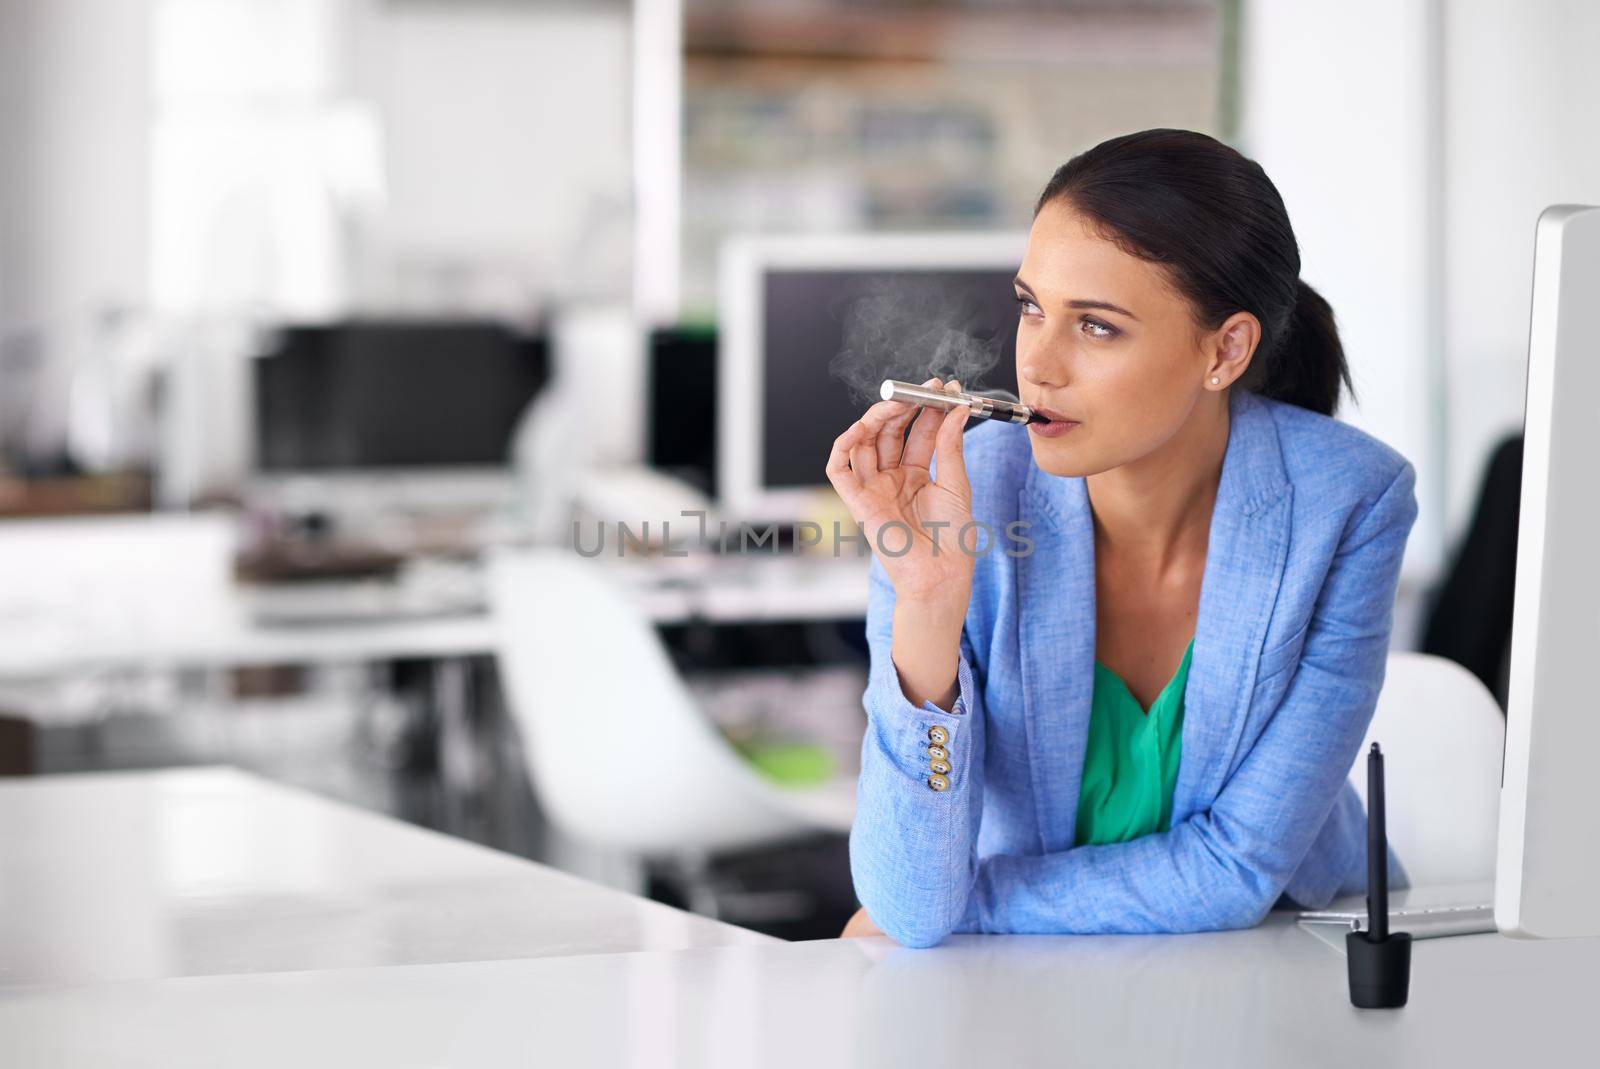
(982, 407)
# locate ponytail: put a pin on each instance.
(1306, 367)
(1215, 221)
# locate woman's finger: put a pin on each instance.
(924, 432)
(864, 454)
(885, 429)
(844, 480)
(892, 436)
(952, 465)
(883, 414)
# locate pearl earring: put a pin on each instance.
(1215, 380)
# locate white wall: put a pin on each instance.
(656, 139)
(73, 131)
(73, 237)
(262, 161)
(317, 157)
(1338, 107)
(1523, 111)
(507, 139)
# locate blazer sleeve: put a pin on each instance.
(912, 848)
(1226, 866)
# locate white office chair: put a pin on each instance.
(619, 754)
(1442, 736)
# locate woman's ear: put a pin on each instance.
(1229, 349)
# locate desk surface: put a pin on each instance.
(1272, 996)
(184, 873)
(206, 917)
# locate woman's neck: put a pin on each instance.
(1155, 512)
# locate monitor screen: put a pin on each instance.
(681, 414)
(829, 336)
(393, 395)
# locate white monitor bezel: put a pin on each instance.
(1547, 863)
(743, 263)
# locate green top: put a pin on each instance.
(1131, 762)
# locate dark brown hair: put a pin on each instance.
(1215, 221)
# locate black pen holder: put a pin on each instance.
(1380, 970)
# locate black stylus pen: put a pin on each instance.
(1377, 963)
(1377, 850)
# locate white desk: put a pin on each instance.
(148, 875)
(207, 917)
(220, 632)
(1273, 996)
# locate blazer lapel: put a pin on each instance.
(1056, 602)
(1245, 557)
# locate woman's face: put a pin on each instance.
(1103, 339)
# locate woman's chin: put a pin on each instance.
(1055, 458)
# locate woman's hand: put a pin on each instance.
(859, 926)
(887, 488)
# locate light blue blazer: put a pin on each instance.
(1296, 605)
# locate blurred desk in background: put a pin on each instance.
(227, 638)
(80, 495)
(416, 690)
(145, 875)
(227, 631)
(748, 589)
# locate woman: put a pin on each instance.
(1135, 712)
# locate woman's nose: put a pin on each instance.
(1040, 370)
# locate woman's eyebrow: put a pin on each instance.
(1102, 305)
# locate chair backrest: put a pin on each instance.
(1443, 738)
(619, 753)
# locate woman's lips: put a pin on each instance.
(1057, 426)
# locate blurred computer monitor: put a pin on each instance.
(1548, 869)
(681, 408)
(886, 305)
(393, 396)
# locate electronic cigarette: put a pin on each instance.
(982, 407)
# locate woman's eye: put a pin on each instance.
(1026, 306)
(1096, 329)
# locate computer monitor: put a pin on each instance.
(393, 396)
(884, 305)
(681, 408)
(1548, 871)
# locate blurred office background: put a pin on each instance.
(322, 321)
